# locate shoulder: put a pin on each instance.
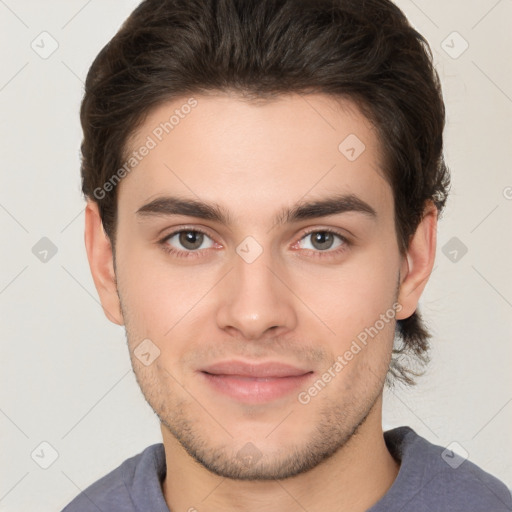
(114, 491)
(433, 477)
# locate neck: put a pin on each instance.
(356, 477)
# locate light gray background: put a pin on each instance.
(66, 374)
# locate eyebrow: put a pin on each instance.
(332, 205)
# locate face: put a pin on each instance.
(261, 339)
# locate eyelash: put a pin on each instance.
(192, 254)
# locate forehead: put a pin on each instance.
(255, 156)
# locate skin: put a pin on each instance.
(298, 302)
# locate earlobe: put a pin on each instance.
(100, 257)
(418, 263)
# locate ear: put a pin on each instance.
(418, 262)
(101, 262)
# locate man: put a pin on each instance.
(264, 180)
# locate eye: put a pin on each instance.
(324, 240)
(191, 240)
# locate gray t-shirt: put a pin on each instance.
(431, 479)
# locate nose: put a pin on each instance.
(254, 300)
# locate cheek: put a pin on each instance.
(166, 303)
(354, 293)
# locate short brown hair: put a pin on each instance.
(364, 51)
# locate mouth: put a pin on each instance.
(255, 383)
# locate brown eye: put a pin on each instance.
(323, 240)
(191, 239)
(186, 240)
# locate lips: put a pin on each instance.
(262, 370)
(255, 383)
